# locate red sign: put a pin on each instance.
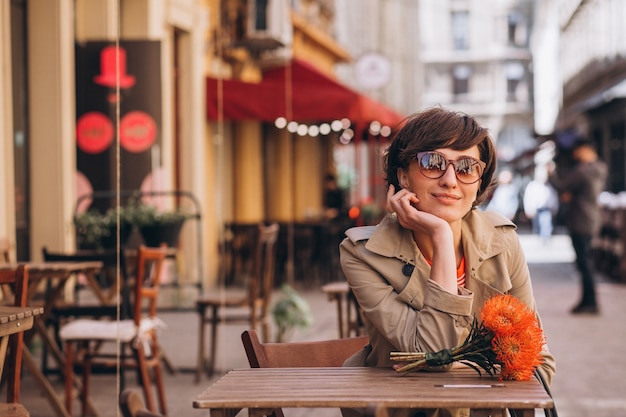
(94, 132)
(137, 131)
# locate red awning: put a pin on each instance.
(315, 98)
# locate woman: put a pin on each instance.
(422, 274)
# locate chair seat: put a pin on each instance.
(13, 410)
(124, 330)
(209, 302)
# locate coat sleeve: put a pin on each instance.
(411, 314)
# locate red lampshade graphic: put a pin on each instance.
(108, 68)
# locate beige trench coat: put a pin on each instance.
(405, 311)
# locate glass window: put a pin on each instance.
(460, 30)
(514, 74)
(517, 34)
(460, 79)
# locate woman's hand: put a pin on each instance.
(439, 243)
(404, 205)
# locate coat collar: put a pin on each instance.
(391, 240)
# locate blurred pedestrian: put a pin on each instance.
(579, 190)
(505, 198)
(541, 204)
(334, 198)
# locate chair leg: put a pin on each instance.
(69, 376)
(84, 397)
(158, 377)
(214, 324)
(143, 371)
(201, 342)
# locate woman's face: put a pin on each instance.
(445, 197)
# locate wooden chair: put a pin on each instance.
(138, 334)
(132, 405)
(107, 277)
(250, 306)
(376, 410)
(18, 280)
(5, 250)
(324, 353)
(349, 319)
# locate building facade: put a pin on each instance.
(108, 96)
(476, 58)
(61, 105)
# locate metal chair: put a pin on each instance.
(254, 300)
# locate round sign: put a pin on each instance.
(373, 70)
(137, 131)
(94, 132)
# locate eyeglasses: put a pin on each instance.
(434, 165)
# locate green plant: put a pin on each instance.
(157, 226)
(96, 230)
(147, 215)
(290, 312)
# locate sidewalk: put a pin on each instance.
(590, 353)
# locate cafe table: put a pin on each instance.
(55, 275)
(261, 390)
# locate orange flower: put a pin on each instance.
(508, 338)
(517, 340)
(502, 314)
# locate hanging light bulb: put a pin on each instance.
(336, 125)
(280, 122)
(374, 128)
(292, 127)
(346, 136)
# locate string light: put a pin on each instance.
(342, 126)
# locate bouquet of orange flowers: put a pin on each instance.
(507, 338)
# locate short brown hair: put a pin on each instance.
(436, 128)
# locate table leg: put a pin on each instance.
(339, 299)
(59, 357)
(4, 342)
(55, 402)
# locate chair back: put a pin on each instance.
(321, 353)
(324, 353)
(18, 279)
(262, 281)
(147, 280)
(109, 258)
(108, 275)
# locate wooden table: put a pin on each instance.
(57, 275)
(263, 389)
(14, 320)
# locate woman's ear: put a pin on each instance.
(403, 178)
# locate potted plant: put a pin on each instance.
(290, 312)
(156, 226)
(95, 230)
